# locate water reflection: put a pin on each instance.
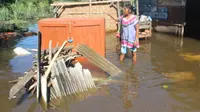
(20, 64)
(129, 92)
(168, 60)
(178, 43)
(139, 90)
(5, 56)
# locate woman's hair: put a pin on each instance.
(131, 8)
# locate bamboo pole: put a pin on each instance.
(90, 8)
(137, 8)
(118, 9)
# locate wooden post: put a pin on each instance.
(90, 7)
(118, 14)
(137, 8)
(118, 9)
(182, 30)
(38, 67)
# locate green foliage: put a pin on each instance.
(30, 10)
(13, 25)
(5, 26)
(72, 0)
(4, 14)
(21, 11)
(45, 10)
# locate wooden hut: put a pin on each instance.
(168, 15)
(110, 10)
(89, 9)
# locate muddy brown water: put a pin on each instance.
(144, 87)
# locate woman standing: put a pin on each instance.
(128, 32)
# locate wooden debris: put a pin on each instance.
(16, 80)
(68, 81)
(21, 83)
(47, 72)
(61, 75)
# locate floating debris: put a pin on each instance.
(165, 86)
(190, 57)
(21, 51)
(180, 76)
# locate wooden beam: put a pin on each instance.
(83, 3)
(90, 13)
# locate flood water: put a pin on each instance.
(163, 80)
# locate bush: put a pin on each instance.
(30, 10)
(13, 25)
(16, 15)
(5, 14)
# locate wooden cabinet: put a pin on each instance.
(90, 31)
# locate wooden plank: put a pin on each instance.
(72, 80)
(100, 64)
(62, 90)
(97, 59)
(67, 78)
(54, 81)
(63, 78)
(52, 93)
(80, 75)
(87, 81)
(21, 83)
(57, 80)
(88, 74)
(74, 72)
